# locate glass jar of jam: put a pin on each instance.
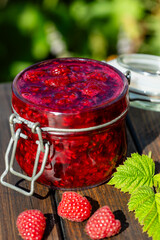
(77, 107)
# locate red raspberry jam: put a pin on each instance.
(72, 93)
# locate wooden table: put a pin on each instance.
(143, 130)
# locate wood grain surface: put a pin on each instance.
(143, 131)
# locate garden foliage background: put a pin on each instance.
(31, 31)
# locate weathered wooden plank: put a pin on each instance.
(13, 203)
(145, 130)
(107, 195)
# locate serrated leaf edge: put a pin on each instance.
(135, 205)
(142, 222)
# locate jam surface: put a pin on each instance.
(72, 93)
(76, 92)
(68, 85)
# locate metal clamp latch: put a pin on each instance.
(128, 76)
(12, 146)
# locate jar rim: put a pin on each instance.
(115, 100)
(119, 73)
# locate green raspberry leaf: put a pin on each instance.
(157, 197)
(156, 180)
(146, 205)
(136, 171)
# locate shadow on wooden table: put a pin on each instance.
(121, 217)
(51, 220)
(36, 195)
(144, 127)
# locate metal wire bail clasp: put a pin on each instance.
(11, 150)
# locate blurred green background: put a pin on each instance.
(31, 31)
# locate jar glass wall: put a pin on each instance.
(80, 106)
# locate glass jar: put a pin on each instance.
(79, 107)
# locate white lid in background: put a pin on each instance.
(144, 87)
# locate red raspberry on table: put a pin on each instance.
(102, 224)
(31, 224)
(74, 207)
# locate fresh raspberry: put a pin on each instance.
(31, 224)
(74, 207)
(102, 224)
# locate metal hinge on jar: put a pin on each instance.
(11, 151)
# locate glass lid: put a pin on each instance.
(142, 63)
(145, 79)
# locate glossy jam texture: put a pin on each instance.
(72, 93)
(76, 161)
